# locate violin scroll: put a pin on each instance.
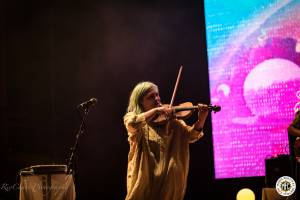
(214, 108)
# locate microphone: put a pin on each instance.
(88, 103)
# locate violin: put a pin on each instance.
(183, 111)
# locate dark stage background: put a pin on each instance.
(57, 54)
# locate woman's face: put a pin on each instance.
(151, 99)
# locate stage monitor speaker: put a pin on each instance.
(277, 167)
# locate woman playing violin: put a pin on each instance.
(158, 159)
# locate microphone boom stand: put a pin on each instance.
(73, 159)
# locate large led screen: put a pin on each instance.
(254, 72)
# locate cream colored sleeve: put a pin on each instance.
(134, 124)
(193, 135)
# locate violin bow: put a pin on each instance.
(176, 86)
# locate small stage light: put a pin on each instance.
(245, 194)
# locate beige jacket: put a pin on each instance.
(158, 159)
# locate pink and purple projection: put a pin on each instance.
(254, 72)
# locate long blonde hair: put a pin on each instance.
(139, 91)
